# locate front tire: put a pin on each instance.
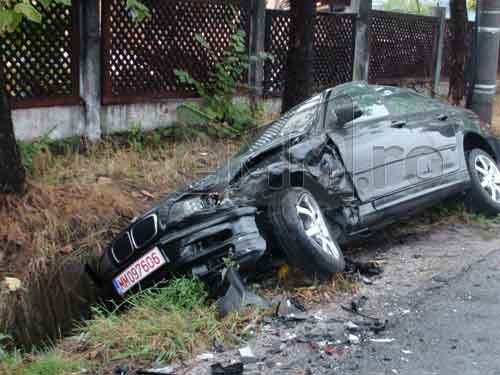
(303, 234)
(484, 195)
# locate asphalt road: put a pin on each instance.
(453, 328)
(440, 293)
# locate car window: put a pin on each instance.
(299, 118)
(409, 103)
(370, 104)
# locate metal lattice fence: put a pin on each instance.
(41, 61)
(402, 46)
(140, 58)
(334, 38)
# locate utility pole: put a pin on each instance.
(487, 59)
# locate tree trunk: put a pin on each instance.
(459, 21)
(299, 67)
(12, 173)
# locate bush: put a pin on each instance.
(219, 111)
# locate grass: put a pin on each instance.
(80, 195)
(171, 322)
(49, 363)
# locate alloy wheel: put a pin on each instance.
(315, 226)
(489, 176)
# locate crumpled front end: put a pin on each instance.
(195, 234)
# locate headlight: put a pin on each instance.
(186, 208)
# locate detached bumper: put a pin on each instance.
(198, 247)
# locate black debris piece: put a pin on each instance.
(237, 297)
(166, 370)
(357, 303)
(364, 268)
(233, 369)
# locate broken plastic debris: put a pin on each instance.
(357, 303)
(167, 370)
(237, 296)
(351, 326)
(353, 339)
(247, 355)
(290, 309)
(233, 369)
(383, 341)
(205, 357)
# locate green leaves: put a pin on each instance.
(221, 113)
(138, 9)
(29, 11)
(12, 12)
(9, 21)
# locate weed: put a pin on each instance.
(220, 113)
(135, 137)
(50, 363)
(33, 152)
(162, 324)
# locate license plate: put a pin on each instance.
(139, 270)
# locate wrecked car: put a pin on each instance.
(338, 166)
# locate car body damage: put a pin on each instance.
(311, 175)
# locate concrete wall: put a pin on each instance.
(58, 122)
(64, 122)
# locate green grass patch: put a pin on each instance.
(169, 322)
(50, 363)
(160, 325)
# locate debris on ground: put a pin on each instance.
(289, 309)
(166, 370)
(205, 357)
(353, 339)
(350, 326)
(238, 297)
(370, 268)
(233, 369)
(383, 341)
(247, 355)
(357, 303)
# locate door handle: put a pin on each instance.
(398, 124)
(442, 117)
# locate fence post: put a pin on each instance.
(441, 13)
(362, 49)
(257, 36)
(90, 63)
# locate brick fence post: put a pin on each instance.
(90, 67)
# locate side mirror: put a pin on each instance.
(347, 112)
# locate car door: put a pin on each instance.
(374, 147)
(427, 163)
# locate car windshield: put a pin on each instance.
(296, 120)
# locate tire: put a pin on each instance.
(288, 227)
(480, 199)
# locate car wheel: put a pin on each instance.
(484, 195)
(303, 234)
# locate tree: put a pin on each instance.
(299, 66)
(459, 19)
(407, 6)
(12, 13)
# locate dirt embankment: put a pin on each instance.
(74, 206)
